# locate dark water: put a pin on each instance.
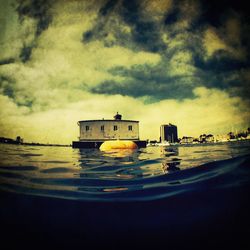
(183, 197)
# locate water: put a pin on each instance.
(89, 174)
(144, 195)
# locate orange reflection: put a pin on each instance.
(119, 152)
(115, 189)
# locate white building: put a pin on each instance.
(94, 132)
(101, 130)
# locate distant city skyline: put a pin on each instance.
(158, 62)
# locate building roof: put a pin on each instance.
(107, 120)
(168, 125)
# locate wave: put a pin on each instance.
(137, 181)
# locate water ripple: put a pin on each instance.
(145, 174)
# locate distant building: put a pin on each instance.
(8, 140)
(231, 135)
(222, 138)
(206, 138)
(169, 133)
(209, 138)
(202, 138)
(187, 140)
(94, 132)
(196, 140)
(19, 139)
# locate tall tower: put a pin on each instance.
(169, 133)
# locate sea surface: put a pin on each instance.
(181, 195)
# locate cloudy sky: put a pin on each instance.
(156, 61)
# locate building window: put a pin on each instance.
(130, 127)
(115, 127)
(102, 128)
(87, 128)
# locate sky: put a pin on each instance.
(155, 61)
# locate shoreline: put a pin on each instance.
(35, 144)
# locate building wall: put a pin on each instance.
(95, 133)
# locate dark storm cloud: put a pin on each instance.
(157, 83)
(25, 53)
(155, 75)
(7, 86)
(224, 74)
(145, 34)
(172, 16)
(216, 12)
(130, 11)
(109, 6)
(220, 63)
(235, 82)
(7, 61)
(158, 91)
(152, 82)
(38, 9)
(221, 70)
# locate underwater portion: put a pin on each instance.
(183, 195)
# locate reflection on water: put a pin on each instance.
(169, 151)
(90, 174)
(171, 163)
(171, 166)
(120, 154)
